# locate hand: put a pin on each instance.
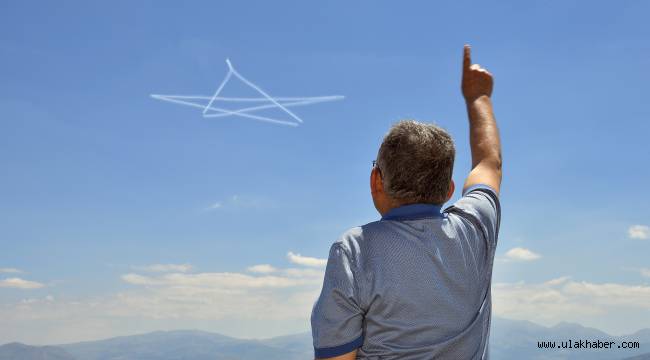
(476, 82)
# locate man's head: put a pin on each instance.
(414, 165)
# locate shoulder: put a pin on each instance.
(479, 207)
(350, 242)
(479, 200)
(483, 190)
(356, 241)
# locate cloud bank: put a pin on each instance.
(612, 306)
(266, 300)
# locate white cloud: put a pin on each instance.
(240, 202)
(521, 254)
(10, 270)
(271, 293)
(19, 283)
(215, 206)
(48, 298)
(645, 272)
(262, 269)
(280, 301)
(136, 279)
(557, 281)
(221, 280)
(165, 268)
(563, 299)
(303, 272)
(247, 304)
(305, 260)
(641, 232)
(247, 313)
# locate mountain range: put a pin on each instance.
(510, 339)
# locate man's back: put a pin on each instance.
(418, 281)
(416, 284)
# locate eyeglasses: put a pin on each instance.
(374, 165)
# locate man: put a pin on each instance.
(416, 284)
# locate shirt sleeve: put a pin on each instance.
(336, 318)
(480, 205)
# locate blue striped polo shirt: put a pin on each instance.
(413, 285)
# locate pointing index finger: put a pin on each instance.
(467, 61)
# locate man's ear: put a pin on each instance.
(376, 183)
(452, 188)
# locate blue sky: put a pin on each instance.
(100, 182)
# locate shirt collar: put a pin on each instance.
(413, 211)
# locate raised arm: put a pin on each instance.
(483, 132)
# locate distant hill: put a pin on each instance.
(299, 343)
(191, 345)
(516, 339)
(510, 339)
(18, 351)
(639, 357)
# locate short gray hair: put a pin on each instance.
(416, 161)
